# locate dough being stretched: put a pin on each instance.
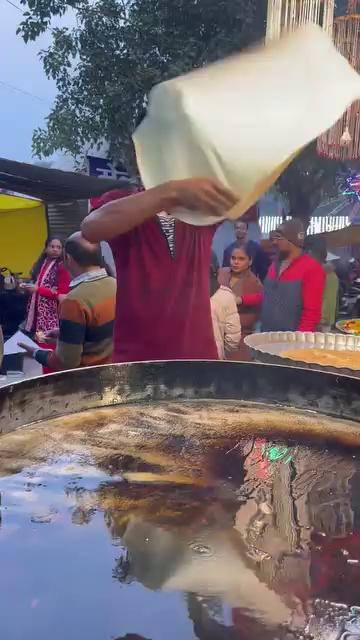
(244, 119)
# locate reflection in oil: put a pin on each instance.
(216, 539)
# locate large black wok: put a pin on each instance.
(211, 529)
(73, 391)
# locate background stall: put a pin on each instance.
(23, 231)
(36, 202)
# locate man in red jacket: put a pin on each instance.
(294, 287)
(162, 266)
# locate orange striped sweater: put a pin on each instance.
(86, 317)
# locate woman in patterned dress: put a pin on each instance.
(50, 282)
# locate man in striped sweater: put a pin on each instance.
(86, 314)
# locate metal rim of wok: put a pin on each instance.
(61, 394)
(260, 344)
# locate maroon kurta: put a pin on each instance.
(163, 302)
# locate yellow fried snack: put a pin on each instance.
(325, 357)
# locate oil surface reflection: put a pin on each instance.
(240, 538)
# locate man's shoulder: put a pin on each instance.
(73, 294)
(310, 264)
(223, 300)
(231, 246)
(73, 303)
(81, 291)
(253, 248)
(99, 284)
(224, 293)
(109, 282)
(273, 268)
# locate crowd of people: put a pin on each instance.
(160, 305)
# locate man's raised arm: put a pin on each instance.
(120, 216)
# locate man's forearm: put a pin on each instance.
(120, 216)
(65, 357)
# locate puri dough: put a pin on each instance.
(244, 119)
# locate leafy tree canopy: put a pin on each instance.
(105, 66)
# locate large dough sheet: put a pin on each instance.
(244, 119)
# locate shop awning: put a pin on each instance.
(346, 237)
(53, 185)
(23, 231)
(17, 203)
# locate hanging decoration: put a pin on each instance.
(348, 183)
(352, 189)
(342, 141)
(287, 15)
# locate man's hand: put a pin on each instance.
(47, 336)
(203, 195)
(121, 216)
(29, 350)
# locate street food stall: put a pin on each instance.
(184, 499)
(23, 231)
(26, 193)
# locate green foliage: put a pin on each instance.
(105, 66)
(307, 181)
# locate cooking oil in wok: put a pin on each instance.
(177, 522)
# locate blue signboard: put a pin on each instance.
(102, 168)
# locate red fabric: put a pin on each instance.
(163, 303)
(63, 285)
(313, 277)
(252, 299)
(109, 196)
(328, 562)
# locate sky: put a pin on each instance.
(20, 67)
